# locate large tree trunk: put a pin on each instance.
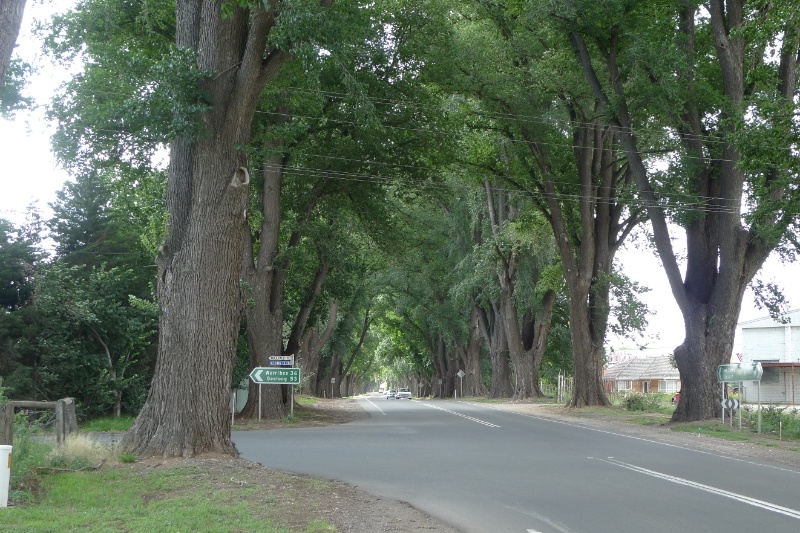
(11, 12)
(587, 359)
(444, 370)
(187, 408)
(311, 348)
(494, 333)
(473, 381)
(698, 370)
(265, 286)
(722, 256)
(527, 343)
(199, 266)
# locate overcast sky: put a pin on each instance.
(29, 174)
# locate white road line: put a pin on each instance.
(707, 488)
(375, 406)
(634, 437)
(560, 528)
(478, 420)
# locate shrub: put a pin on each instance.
(637, 401)
(774, 420)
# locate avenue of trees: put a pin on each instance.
(392, 191)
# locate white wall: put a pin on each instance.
(786, 391)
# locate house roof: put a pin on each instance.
(645, 368)
(767, 322)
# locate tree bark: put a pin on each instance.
(722, 256)
(11, 12)
(311, 348)
(494, 333)
(444, 369)
(265, 286)
(199, 267)
(473, 381)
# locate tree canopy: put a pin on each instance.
(393, 192)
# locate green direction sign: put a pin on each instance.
(740, 372)
(275, 375)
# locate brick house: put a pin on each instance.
(643, 374)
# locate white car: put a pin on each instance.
(391, 394)
(403, 393)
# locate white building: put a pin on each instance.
(777, 347)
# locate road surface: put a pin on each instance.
(485, 470)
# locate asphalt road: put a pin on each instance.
(485, 470)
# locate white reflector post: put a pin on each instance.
(5, 473)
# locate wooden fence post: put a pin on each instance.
(66, 420)
(7, 424)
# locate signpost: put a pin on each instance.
(727, 403)
(275, 376)
(461, 375)
(738, 373)
(281, 360)
(268, 375)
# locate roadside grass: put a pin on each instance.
(84, 485)
(307, 401)
(714, 428)
(172, 497)
(108, 424)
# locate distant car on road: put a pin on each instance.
(403, 393)
(391, 394)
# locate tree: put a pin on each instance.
(546, 142)
(19, 258)
(527, 340)
(18, 255)
(727, 108)
(93, 334)
(199, 267)
(10, 21)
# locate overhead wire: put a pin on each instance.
(705, 203)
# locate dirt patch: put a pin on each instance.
(299, 500)
(294, 502)
(322, 413)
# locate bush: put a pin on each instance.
(774, 420)
(33, 452)
(637, 401)
(28, 453)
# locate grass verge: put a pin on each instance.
(212, 495)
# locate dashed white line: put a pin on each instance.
(478, 420)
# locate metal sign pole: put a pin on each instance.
(723, 403)
(259, 402)
(759, 408)
(741, 388)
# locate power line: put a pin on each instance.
(327, 174)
